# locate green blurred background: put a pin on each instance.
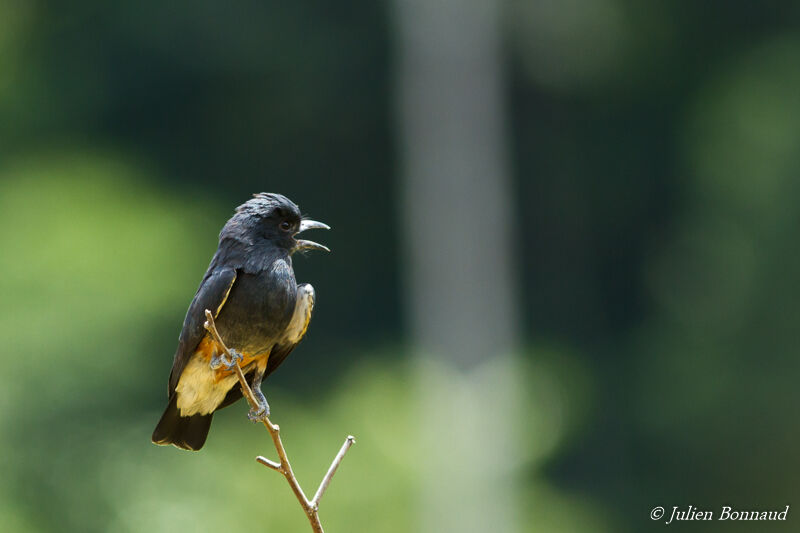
(655, 173)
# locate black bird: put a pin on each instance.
(260, 311)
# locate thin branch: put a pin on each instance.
(311, 508)
(323, 486)
(270, 463)
(211, 327)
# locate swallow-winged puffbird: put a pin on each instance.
(260, 311)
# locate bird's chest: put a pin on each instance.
(258, 308)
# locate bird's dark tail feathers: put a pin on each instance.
(185, 432)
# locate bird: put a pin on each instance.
(260, 311)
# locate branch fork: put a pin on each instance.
(310, 507)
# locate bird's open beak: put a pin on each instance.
(310, 245)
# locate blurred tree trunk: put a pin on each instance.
(457, 220)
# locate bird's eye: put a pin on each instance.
(285, 226)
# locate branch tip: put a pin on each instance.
(270, 463)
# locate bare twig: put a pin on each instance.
(270, 463)
(323, 486)
(311, 508)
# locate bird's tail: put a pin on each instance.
(185, 432)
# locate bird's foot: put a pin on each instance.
(236, 358)
(258, 415)
(220, 360)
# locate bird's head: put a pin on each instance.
(274, 219)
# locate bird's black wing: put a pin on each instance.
(295, 330)
(211, 295)
(278, 354)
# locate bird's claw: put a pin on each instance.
(236, 358)
(260, 414)
(220, 360)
